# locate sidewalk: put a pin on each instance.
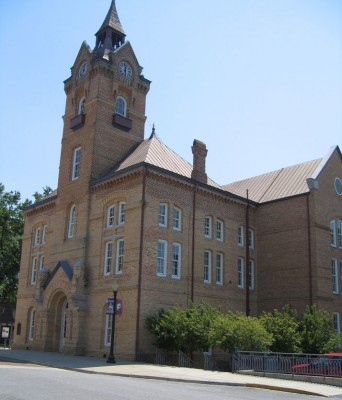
(151, 371)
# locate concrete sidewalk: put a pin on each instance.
(151, 371)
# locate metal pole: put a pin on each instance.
(111, 358)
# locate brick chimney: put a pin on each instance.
(199, 151)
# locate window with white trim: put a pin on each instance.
(177, 219)
(120, 249)
(241, 273)
(121, 106)
(340, 276)
(336, 322)
(339, 233)
(333, 233)
(72, 218)
(162, 258)
(219, 268)
(251, 276)
(162, 216)
(122, 213)
(110, 216)
(81, 109)
(31, 324)
(251, 238)
(37, 237)
(176, 260)
(108, 258)
(41, 262)
(76, 164)
(334, 275)
(108, 329)
(44, 234)
(207, 266)
(34, 270)
(219, 230)
(240, 236)
(208, 227)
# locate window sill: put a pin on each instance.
(77, 122)
(121, 122)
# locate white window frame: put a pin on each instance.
(34, 270)
(121, 106)
(108, 258)
(340, 271)
(241, 272)
(251, 278)
(37, 237)
(219, 269)
(162, 215)
(31, 325)
(162, 258)
(339, 233)
(81, 109)
(207, 266)
(240, 236)
(44, 234)
(334, 275)
(108, 329)
(41, 262)
(76, 161)
(122, 213)
(176, 260)
(71, 224)
(219, 230)
(251, 236)
(333, 233)
(110, 216)
(208, 227)
(336, 322)
(120, 250)
(177, 219)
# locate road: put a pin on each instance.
(20, 381)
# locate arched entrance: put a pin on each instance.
(57, 322)
(63, 322)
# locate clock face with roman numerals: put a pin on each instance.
(125, 70)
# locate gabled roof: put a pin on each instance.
(65, 267)
(285, 182)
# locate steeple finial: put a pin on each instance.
(111, 34)
(153, 133)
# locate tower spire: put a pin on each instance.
(111, 34)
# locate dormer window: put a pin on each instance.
(121, 106)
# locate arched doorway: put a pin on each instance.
(63, 323)
(57, 322)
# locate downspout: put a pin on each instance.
(247, 257)
(142, 222)
(309, 248)
(193, 243)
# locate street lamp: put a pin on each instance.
(111, 358)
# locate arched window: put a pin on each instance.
(81, 109)
(71, 226)
(121, 106)
(31, 325)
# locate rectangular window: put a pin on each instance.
(207, 266)
(251, 277)
(177, 219)
(76, 164)
(207, 227)
(37, 237)
(336, 322)
(334, 275)
(110, 216)
(340, 276)
(120, 248)
(162, 217)
(31, 328)
(41, 264)
(241, 272)
(34, 270)
(240, 238)
(122, 213)
(219, 269)
(108, 258)
(251, 238)
(44, 234)
(108, 329)
(176, 260)
(333, 233)
(71, 227)
(162, 258)
(219, 230)
(339, 234)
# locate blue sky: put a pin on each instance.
(259, 81)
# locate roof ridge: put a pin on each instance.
(271, 183)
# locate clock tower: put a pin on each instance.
(105, 107)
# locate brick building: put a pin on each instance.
(130, 210)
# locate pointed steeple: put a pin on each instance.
(111, 34)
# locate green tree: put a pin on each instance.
(284, 327)
(317, 332)
(237, 331)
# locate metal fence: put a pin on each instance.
(288, 363)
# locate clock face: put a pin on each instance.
(125, 70)
(83, 69)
